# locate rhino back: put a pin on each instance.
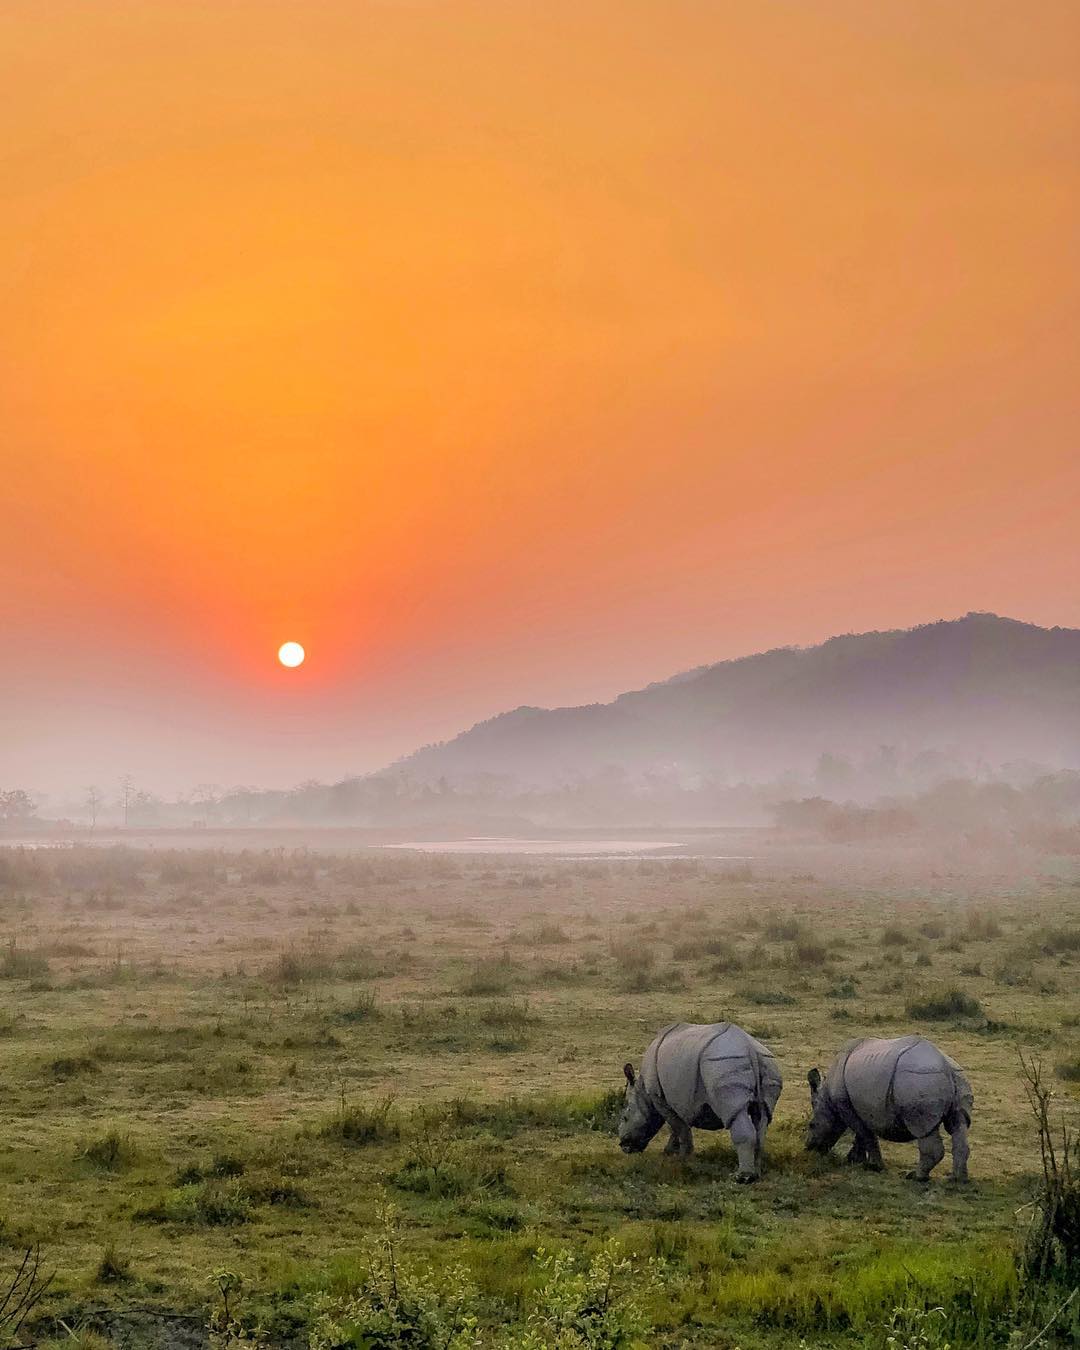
(671, 1067)
(707, 1073)
(902, 1088)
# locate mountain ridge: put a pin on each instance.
(983, 687)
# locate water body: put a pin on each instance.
(564, 848)
(581, 849)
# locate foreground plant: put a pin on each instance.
(917, 1329)
(20, 1292)
(226, 1330)
(396, 1304)
(593, 1305)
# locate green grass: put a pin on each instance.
(231, 1060)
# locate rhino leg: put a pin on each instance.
(762, 1129)
(744, 1136)
(865, 1150)
(931, 1152)
(959, 1144)
(681, 1142)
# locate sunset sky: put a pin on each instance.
(511, 351)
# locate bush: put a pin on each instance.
(634, 965)
(594, 1305)
(1058, 941)
(489, 977)
(941, 1007)
(506, 1014)
(779, 929)
(1069, 1070)
(70, 1066)
(980, 926)
(359, 1125)
(114, 1266)
(544, 935)
(395, 1303)
(442, 1172)
(768, 998)
(806, 953)
(300, 966)
(109, 1152)
(363, 1008)
(213, 1203)
(22, 963)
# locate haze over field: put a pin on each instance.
(515, 355)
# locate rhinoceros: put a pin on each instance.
(899, 1089)
(714, 1077)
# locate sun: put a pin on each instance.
(291, 654)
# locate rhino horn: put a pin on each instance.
(628, 1070)
(814, 1079)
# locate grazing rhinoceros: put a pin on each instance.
(714, 1077)
(898, 1089)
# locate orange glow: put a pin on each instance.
(518, 353)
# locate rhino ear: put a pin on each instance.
(814, 1079)
(628, 1070)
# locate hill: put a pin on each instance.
(951, 696)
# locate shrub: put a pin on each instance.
(506, 1014)
(544, 935)
(1012, 973)
(461, 1169)
(359, 1125)
(942, 1007)
(1058, 941)
(362, 1009)
(396, 1303)
(227, 1165)
(594, 1304)
(779, 929)
(893, 936)
(78, 1338)
(300, 965)
(493, 1214)
(768, 998)
(1053, 1241)
(806, 953)
(69, 1066)
(109, 1152)
(981, 926)
(1069, 1070)
(215, 1203)
(917, 1329)
(489, 977)
(634, 965)
(22, 963)
(114, 1266)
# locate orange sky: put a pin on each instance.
(510, 351)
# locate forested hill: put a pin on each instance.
(970, 692)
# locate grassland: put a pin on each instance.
(227, 1061)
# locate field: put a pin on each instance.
(220, 1068)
